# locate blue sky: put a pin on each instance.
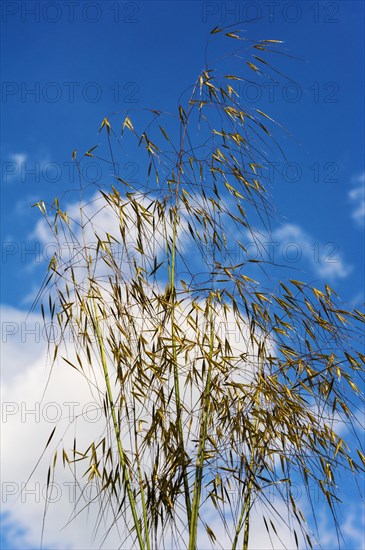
(144, 55)
(88, 60)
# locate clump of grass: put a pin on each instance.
(192, 413)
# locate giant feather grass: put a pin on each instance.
(190, 411)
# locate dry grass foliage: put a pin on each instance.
(211, 385)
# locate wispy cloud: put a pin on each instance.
(36, 166)
(357, 199)
(324, 258)
(291, 246)
(354, 526)
(19, 158)
(351, 528)
(11, 169)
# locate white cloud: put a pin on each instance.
(37, 167)
(27, 422)
(291, 246)
(22, 341)
(19, 158)
(325, 259)
(357, 199)
(288, 245)
(12, 168)
(351, 523)
(99, 218)
(353, 526)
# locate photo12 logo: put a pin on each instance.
(70, 11)
(226, 13)
(53, 412)
(21, 170)
(255, 93)
(69, 92)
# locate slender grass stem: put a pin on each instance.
(245, 512)
(127, 482)
(202, 441)
(176, 371)
(172, 274)
(143, 500)
(244, 519)
(247, 520)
